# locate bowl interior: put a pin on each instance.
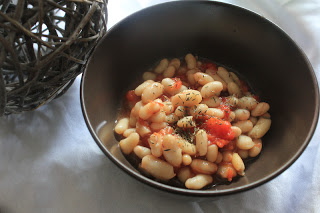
(232, 36)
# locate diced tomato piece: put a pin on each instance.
(222, 142)
(219, 128)
(178, 83)
(226, 110)
(229, 174)
(166, 131)
(211, 139)
(132, 97)
(218, 141)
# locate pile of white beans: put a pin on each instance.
(169, 155)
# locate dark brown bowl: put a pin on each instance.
(233, 36)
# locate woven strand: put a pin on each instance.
(43, 47)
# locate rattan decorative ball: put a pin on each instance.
(44, 45)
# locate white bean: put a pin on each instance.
(237, 131)
(226, 171)
(245, 126)
(168, 108)
(186, 122)
(163, 64)
(254, 120)
(183, 88)
(155, 143)
(234, 89)
(175, 62)
(191, 61)
(266, 115)
(186, 98)
(227, 156)
(149, 76)
(152, 92)
(157, 167)
(148, 110)
(170, 86)
(158, 117)
(184, 174)
(201, 142)
(172, 118)
(182, 70)
(213, 101)
(139, 90)
(171, 150)
(199, 181)
(215, 112)
(216, 77)
(212, 153)
(235, 78)
(169, 72)
(243, 153)
(187, 148)
(133, 121)
(219, 158)
(142, 129)
(247, 102)
(129, 132)
(158, 100)
(256, 149)
(244, 142)
(224, 74)
(242, 114)
(203, 167)
(232, 101)
(190, 76)
(122, 125)
(261, 128)
(211, 89)
(238, 164)
(158, 126)
(127, 145)
(260, 109)
(198, 110)
(186, 159)
(231, 116)
(141, 151)
(135, 110)
(202, 78)
(180, 111)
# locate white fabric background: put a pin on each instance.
(50, 163)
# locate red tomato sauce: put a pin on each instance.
(209, 65)
(132, 97)
(218, 131)
(226, 109)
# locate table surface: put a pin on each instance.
(50, 163)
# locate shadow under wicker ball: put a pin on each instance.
(43, 47)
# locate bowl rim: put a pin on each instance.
(205, 193)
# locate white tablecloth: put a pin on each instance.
(50, 163)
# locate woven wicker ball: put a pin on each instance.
(43, 47)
